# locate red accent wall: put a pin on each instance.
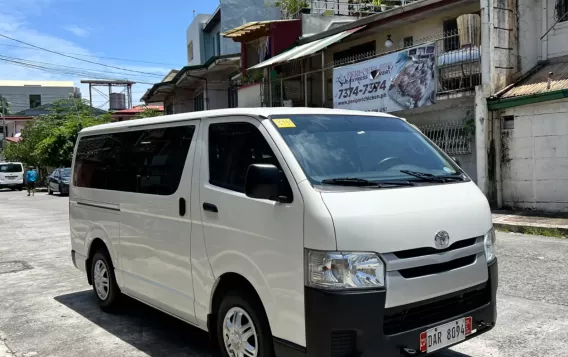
(284, 35)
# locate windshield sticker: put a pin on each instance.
(284, 123)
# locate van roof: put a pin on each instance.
(261, 112)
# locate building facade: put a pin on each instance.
(212, 59)
(22, 95)
(529, 118)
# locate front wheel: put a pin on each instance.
(243, 330)
(49, 192)
(104, 281)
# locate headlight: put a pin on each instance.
(489, 243)
(340, 270)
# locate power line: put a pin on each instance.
(84, 70)
(60, 71)
(80, 59)
(93, 56)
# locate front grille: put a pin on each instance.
(418, 252)
(399, 319)
(437, 268)
(343, 343)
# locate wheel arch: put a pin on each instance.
(225, 283)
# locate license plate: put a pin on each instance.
(11, 177)
(445, 335)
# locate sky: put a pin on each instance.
(142, 30)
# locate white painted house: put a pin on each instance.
(530, 117)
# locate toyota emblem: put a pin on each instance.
(442, 239)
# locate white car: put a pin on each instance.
(11, 175)
(287, 231)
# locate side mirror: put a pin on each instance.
(267, 182)
(456, 160)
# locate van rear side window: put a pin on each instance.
(144, 161)
(11, 168)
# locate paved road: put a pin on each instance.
(47, 308)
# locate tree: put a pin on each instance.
(149, 113)
(4, 103)
(49, 139)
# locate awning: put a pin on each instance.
(306, 50)
(251, 28)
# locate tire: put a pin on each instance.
(234, 303)
(109, 295)
(49, 192)
(20, 188)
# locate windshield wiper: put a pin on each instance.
(355, 181)
(432, 178)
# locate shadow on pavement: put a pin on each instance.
(449, 353)
(145, 328)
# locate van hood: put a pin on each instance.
(391, 220)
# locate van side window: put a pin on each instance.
(142, 161)
(233, 147)
(152, 161)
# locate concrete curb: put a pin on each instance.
(523, 228)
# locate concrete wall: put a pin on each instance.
(235, 13)
(557, 39)
(249, 96)
(448, 110)
(19, 97)
(194, 34)
(217, 96)
(431, 27)
(182, 100)
(535, 157)
(529, 33)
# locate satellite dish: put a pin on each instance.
(18, 135)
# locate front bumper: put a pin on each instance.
(355, 323)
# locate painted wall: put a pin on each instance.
(431, 27)
(249, 96)
(218, 97)
(558, 37)
(182, 100)
(448, 110)
(195, 35)
(529, 33)
(535, 157)
(210, 39)
(19, 97)
(235, 13)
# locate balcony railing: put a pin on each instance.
(457, 68)
(358, 8)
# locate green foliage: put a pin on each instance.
(290, 8)
(4, 103)
(150, 113)
(49, 139)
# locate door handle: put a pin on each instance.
(182, 206)
(210, 207)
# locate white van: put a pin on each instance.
(286, 231)
(11, 175)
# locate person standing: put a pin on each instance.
(31, 177)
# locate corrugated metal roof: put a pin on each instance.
(538, 82)
(306, 50)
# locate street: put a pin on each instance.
(48, 309)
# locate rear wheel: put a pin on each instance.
(104, 281)
(242, 327)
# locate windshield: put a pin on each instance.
(66, 172)
(365, 147)
(10, 168)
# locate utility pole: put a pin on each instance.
(3, 122)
